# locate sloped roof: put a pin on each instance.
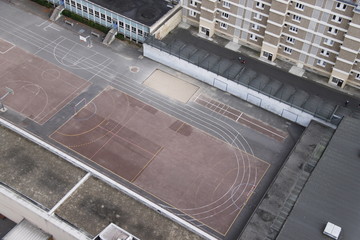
(25, 230)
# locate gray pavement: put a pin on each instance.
(55, 41)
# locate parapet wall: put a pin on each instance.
(273, 105)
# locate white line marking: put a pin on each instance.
(69, 193)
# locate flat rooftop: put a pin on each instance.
(144, 11)
(332, 191)
(34, 172)
(45, 179)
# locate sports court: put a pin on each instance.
(40, 88)
(206, 179)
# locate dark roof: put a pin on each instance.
(144, 11)
(333, 190)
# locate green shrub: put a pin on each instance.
(85, 21)
(120, 36)
(44, 3)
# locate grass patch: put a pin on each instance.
(85, 21)
(44, 3)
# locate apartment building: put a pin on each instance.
(321, 35)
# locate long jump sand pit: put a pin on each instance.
(207, 180)
(171, 86)
(40, 88)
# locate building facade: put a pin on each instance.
(134, 21)
(321, 35)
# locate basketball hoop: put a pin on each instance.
(8, 91)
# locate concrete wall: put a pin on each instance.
(238, 90)
(169, 25)
(16, 208)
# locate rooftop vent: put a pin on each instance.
(332, 230)
(113, 232)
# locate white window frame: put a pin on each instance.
(336, 18)
(333, 30)
(290, 40)
(225, 15)
(341, 6)
(325, 52)
(226, 4)
(193, 3)
(328, 42)
(357, 76)
(260, 5)
(293, 29)
(255, 26)
(223, 25)
(253, 37)
(192, 13)
(287, 50)
(321, 62)
(257, 16)
(299, 6)
(296, 18)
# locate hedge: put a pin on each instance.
(44, 3)
(88, 22)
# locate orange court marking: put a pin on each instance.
(191, 171)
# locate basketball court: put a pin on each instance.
(40, 88)
(207, 180)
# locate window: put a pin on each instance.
(223, 25)
(321, 62)
(72, 3)
(67, 2)
(102, 16)
(91, 12)
(255, 27)
(253, 37)
(193, 3)
(336, 19)
(324, 52)
(133, 29)
(299, 6)
(192, 13)
(257, 16)
(226, 4)
(288, 50)
(140, 32)
(96, 14)
(85, 9)
(108, 18)
(224, 15)
(290, 40)
(127, 27)
(332, 30)
(260, 5)
(328, 42)
(121, 24)
(357, 77)
(78, 5)
(341, 6)
(296, 18)
(293, 29)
